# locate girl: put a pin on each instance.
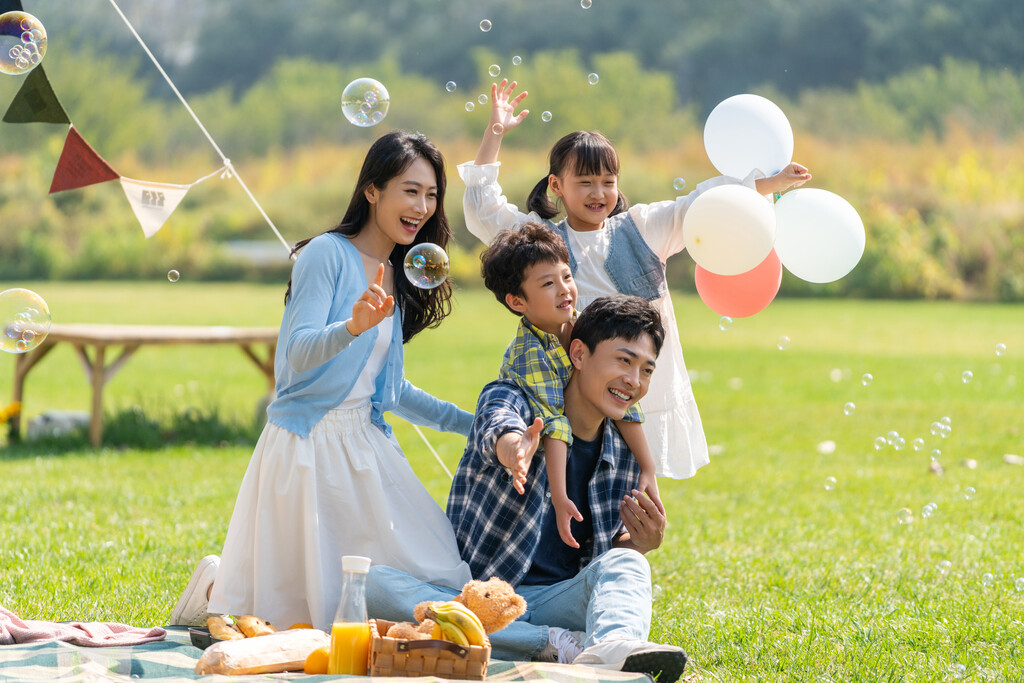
(327, 478)
(613, 248)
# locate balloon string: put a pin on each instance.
(227, 162)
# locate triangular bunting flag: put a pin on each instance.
(10, 6)
(36, 102)
(79, 165)
(153, 203)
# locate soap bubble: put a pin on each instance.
(929, 510)
(545, 116)
(470, 106)
(585, 4)
(830, 483)
(494, 70)
(22, 42)
(517, 60)
(899, 444)
(936, 428)
(173, 275)
(946, 420)
(497, 129)
(678, 183)
(482, 99)
(958, 671)
(946, 431)
(866, 379)
(970, 492)
(967, 376)
(426, 265)
(592, 79)
(848, 408)
(918, 444)
(450, 86)
(880, 443)
(891, 437)
(485, 25)
(725, 323)
(905, 516)
(935, 454)
(1000, 349)
(25, 318)
(365, 102)
(945, 566)
(987, 579)
(1019, 584)
(783, 343)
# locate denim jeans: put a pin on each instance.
(609, 599)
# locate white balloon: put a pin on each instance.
(729, 229)
(746, 132)
(820, 235)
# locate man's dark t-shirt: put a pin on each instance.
(554, 561)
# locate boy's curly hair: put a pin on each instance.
(503, 264)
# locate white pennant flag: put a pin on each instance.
(153, 203)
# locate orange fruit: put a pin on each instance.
(301, 624)
(316, 662)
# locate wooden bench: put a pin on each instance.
(92, 341)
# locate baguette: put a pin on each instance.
(252, 626)
(284, 651)
(222, 630)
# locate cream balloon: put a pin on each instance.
(820, 235)
(747, 132)
(729, 229)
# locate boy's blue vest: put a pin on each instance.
(632, 265)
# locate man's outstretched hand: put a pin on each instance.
(515, 450)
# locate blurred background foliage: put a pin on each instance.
(912, 110)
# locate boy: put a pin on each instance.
(527, 270)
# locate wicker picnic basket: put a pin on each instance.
(441, 658)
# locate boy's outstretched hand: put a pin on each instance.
(565, 512)
(372, 307)
(515, 450)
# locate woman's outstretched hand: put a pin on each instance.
(503, 107)
(372, 307)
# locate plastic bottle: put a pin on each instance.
(350, 633)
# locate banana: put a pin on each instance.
(453, 633)
(437, 633)
(462, 617)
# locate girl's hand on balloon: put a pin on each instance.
(792, 176)
(372, 307)
(503, 106)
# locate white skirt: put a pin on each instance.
(346, 489)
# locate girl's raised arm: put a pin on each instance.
(503, 119)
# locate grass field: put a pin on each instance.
(765, 574)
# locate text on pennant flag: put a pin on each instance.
(36, 102)
(153, 203)
(80, 165)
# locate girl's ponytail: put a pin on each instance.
(539, 202)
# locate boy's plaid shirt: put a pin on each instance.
(537, 363)
(498, 530)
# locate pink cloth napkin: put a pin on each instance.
(16, 631)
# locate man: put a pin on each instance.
(504, 521)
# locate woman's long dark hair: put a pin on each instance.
(591, 154)
(387, 158)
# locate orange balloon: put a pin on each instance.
(743, 295)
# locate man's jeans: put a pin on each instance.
(609, 599)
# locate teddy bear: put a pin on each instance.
(495, 603)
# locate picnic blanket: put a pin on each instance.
(174, 659)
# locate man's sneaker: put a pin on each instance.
(191, 608)
(563, 646)
(665, 663)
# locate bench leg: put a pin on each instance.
(98, 379)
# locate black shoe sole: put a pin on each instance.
(665, 667)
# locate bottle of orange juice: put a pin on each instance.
(350, 634)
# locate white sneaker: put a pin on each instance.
(663, 662)
(563, 645)
(191, 607)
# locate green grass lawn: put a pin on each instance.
(765, 574)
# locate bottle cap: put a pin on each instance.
(355, 563)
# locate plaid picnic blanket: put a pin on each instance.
(175, 658)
